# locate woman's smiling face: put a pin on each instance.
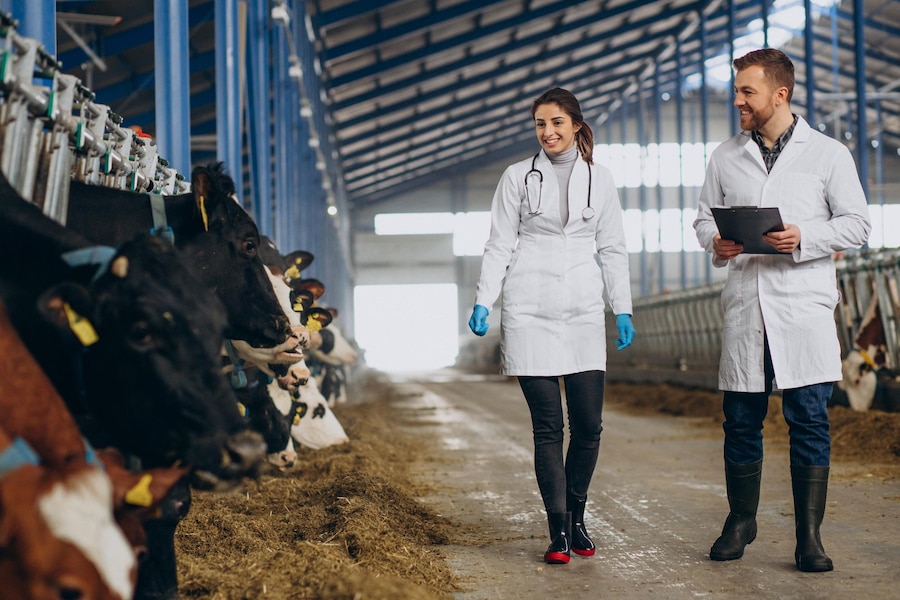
(554, 128)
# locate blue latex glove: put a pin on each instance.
(478, 321)
(626, 331)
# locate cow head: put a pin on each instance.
(58, 538)
(261, 413)
(151, 374)
(226, 254)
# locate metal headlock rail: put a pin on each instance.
(51, 134)
(679, 333)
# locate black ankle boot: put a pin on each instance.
(742, 483)
(581, 541)
(560, 546)
(810, 486)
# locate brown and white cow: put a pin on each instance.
(869, 356)
(71, 526)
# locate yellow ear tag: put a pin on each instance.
(296, 420)
(313, 326)
(292, 272)
(242, 409)
(140, 494)
(203, 214)
(298, 306)
(80, 326)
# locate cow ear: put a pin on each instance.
(69, 307)
(296, 261)
(313, 285)
(320, 316)
(138, 491)
(302, 300)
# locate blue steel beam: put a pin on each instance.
(228, 91)
(679, 136)
(37, 20)
(258, 115)
(704, 105)
(658, 129)
(862, 135)
(283, 114)
(172, 90)
(809, 59)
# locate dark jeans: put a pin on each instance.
(804, 411)
(584, 408)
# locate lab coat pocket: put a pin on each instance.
(800, 198)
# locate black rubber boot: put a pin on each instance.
(810, 485)
(742, 483)
(560, 546)
(582, 544)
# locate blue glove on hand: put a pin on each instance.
(478, 321)
(626, 331)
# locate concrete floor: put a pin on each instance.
(657, 503)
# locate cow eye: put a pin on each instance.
(250, 247)
(141, 333)
(70, 593)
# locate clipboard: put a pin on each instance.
(747, 224)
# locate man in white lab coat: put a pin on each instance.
(779, 322)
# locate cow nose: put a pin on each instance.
(288, 458)
(244, 454)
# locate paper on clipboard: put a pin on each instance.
(747, 224)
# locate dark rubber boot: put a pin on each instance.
(810, 485)
(560, 546)
(742, 483)
(582, 544)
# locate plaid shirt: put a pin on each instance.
(770, 156)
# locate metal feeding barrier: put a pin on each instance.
(679, 333)
(52, 131)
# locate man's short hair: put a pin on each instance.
(777, 67)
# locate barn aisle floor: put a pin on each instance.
(657, 503)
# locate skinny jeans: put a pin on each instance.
(805, 411)
(584, 409)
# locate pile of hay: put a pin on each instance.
(871, 437)
(343, 524)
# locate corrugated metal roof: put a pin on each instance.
(416, 89)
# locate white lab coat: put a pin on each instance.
(552, 276)
(790, 297)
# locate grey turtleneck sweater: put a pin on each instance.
(563, 163)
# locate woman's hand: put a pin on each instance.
(626, 331)
(478, 321)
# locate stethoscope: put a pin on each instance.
(586, 214)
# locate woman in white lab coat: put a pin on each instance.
(779, 322)
(556, 245)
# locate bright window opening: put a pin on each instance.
(407, 327)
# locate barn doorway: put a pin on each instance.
(407, 327)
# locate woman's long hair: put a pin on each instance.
(566, 100)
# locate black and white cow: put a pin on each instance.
(218, 237)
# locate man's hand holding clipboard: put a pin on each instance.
(752, 230)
